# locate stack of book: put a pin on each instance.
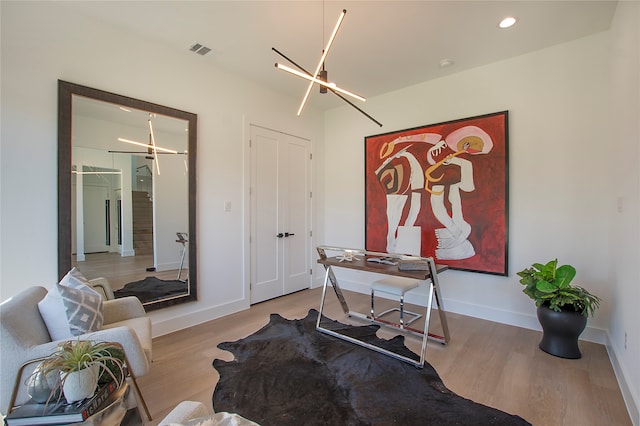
(384, 260)
(58, 412)
(413, 265)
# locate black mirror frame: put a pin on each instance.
(66, 91)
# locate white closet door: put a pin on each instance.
(280, 214)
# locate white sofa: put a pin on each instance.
(24, 337)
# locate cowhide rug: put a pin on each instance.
(150, 289)
(287, 373)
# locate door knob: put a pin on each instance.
(280, 235)
(286, 234)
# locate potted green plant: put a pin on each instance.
(80, 365)
(562, 308)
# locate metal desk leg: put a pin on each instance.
(334, 282)
(427, 318)
(324, 295)
(321, 329)
(441, 311)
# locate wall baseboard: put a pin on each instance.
(631, 400)
(176, 323)
(417, 297)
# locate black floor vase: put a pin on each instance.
(560, 332)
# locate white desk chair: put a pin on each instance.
(395, 286)
(407, 242)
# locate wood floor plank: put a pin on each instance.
(121, 270)
(490, 363)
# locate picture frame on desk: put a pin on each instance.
(444, 185)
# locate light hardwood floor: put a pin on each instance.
(490, 363)
(123, 270)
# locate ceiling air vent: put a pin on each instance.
(199, 49)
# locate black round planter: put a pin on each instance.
(560, 332)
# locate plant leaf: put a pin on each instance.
(546, 287)
(564, 275)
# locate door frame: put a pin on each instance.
(246, 226)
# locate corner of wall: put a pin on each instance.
(631, 400)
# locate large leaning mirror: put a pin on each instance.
(126, 194)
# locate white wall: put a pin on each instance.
(46, 41)
(553, 211)
(624, 212)
(561, 201)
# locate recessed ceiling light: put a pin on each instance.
(446, 63)
(507, 22)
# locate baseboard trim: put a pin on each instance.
(631, 400)
(517, 319)
(162, 326)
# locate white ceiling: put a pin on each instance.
(382, 46)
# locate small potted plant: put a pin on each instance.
(562, 308)
(81, 364)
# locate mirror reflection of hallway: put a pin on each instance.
(130, 201)
(96, 243)
(108, 132)
(96, 202)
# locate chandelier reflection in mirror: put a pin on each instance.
(152, 149)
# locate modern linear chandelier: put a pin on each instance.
(152, 148)
(319, 77)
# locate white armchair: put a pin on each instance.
(24, 337)
(102, 286)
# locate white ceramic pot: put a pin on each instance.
(81, 384)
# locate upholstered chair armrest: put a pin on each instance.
(102, 286)
(186, 410)
(139, 364)
(123, 309)
(15, 386)
(42, 350)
